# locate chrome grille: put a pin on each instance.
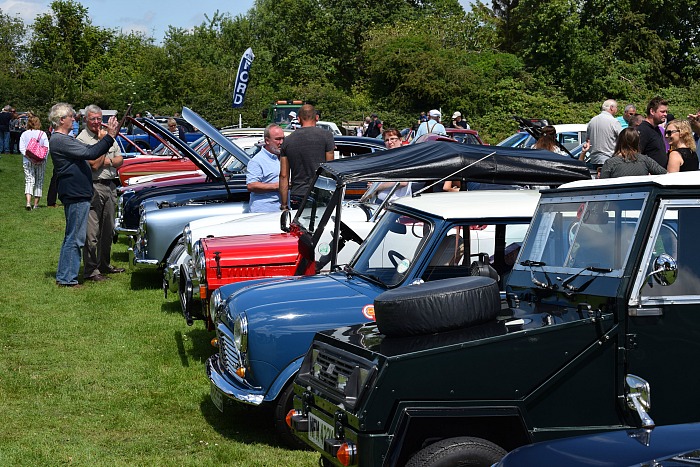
(227, 350)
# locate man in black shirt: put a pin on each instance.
(651, 141)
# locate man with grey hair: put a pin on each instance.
(74, 182)
(602, 133)
(100, 225)
(626, 117)
(263, 173)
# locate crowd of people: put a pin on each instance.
(641, 144)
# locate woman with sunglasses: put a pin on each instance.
(682, 156)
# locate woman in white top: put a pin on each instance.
(33, 172)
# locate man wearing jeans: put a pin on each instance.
(74, 181)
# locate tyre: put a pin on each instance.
(463, 451)
(437, 306)
(285, 403)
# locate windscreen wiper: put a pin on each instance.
(370, 277)
(566, 283)
(532, 264)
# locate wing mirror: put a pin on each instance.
(285, 220)
(665, 269)
(637, 394)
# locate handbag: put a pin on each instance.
(36, 152)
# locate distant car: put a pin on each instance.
(455, 134)
(148, 142)
(330, 126)
(569, 135)
(672, 445)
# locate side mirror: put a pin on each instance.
(637, 394)
(665, 269)
(285, 220)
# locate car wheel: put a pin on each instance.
(143, 145)
(474, 452)
(285, 403)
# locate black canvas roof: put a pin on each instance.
(438, 159)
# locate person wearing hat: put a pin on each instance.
(293, 121)
(374, 128)
(458, 122)
(433, 125)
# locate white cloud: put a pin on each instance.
(26, 10)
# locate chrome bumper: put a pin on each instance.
(246, 395)
(137, 259)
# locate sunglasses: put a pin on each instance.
(670, 132)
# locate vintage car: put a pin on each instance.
(599, 312)
(264, 328)
(311, 245)
(662, 446)
(230, 187)
(161, 224)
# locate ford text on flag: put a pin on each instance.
(242, 78)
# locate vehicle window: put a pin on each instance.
(569, 139)
(677, 234)
(391, 249)
(584, 233)
(314, 206)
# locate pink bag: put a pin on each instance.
(36, 152)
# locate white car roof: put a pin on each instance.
(691, 178)
(570, 127)
(475, 204)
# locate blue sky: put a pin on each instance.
(149, 17)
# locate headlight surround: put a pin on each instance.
(215, 304)
(187, 235)
(141, 238)
(199, 261)
(240, 333)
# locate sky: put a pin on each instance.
(149, 17)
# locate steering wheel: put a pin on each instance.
(395, 257)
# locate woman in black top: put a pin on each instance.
(682, 157)
(627, 161)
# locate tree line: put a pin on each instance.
(557, 59)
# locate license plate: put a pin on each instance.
(319, 430)
(217, 397)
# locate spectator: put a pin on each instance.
(458, 122)
(293, 121)
(364, 127)
(392, 140)
(33, 172)
(423, 118)
(626, 117)
(16, 130)
(374, 128)
(627, 161)
(602, 132)
(651, 141)
(100, 223)
(75, 129)
(682, 157)
(74, 180)
(694, 120)
(175, 129)
(5, 117)
(263, 173)
(301, 154)
(548, 140)
(433, 125)
(635, 121)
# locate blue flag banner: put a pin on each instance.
(242, 78)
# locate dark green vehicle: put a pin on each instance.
(600, 312)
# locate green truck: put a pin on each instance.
(278, 112)
(600, 311)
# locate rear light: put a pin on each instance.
(347, 453)
(289, 416)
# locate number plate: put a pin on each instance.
(217, 397)
(319, 430)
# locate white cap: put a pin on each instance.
(456, 114)
(434, 113)
(293, 114)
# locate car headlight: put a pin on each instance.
(215, 303)
(142, 240)
(187, 235)
(240, 333)
(199, 261)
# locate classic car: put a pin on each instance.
(136, 136)
(230, 187)
(161, 224)
(458, 134)
(312, 244)
(599, 312)
(264, 328)
(661, 446)
(569, 135)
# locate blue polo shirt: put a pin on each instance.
(265, 168)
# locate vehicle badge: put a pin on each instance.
(323, 249)
(330, 369)
(368, 312)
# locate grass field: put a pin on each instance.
(108, 374)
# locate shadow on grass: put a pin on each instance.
(171, 306)
(121, 256)
(146, 279)
(241, 423)
(201, 345)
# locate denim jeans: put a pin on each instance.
(5, 141)
(73, 241)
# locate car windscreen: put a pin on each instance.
(587, 232)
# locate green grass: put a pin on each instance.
(108, 374)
